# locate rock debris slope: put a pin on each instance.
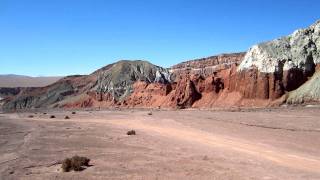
(308, 92)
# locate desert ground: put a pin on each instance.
(281, 143)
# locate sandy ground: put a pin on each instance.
(188, 144)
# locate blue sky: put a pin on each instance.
(63, 37)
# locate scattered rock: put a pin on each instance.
(205, 158)
(52, 116)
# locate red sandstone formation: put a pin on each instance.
(191, 85)
(195, 86)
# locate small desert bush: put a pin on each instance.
(73, 113)
(52, 116)
(132, 132)
(149, 113)
(30, 116)
(75, 163)
(66, 117)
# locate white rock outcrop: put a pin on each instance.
(298, 50)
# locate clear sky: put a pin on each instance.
(63, 37)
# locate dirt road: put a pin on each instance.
(179, 132)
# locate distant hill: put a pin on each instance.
(12, 80)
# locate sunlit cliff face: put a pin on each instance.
(298, 50)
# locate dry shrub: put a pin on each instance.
(132, 132)
(75, 163)
(52, 116)
(66, 117)
(30, 116)
(66, 165)
(149, 113)
(73, 113)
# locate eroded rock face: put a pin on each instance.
(299, 50)
(253, 84)
(270, 69)
(148, 95)
(185, 93)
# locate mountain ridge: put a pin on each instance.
(221, 81)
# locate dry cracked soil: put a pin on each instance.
(187, 144)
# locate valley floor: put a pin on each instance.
(186, 144)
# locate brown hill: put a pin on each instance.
(26, 81)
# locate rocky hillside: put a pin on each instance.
(284, 64)
(271, 73)
(266, 73)
(118, 79)
(45, 97)
(7, 94)
(110, 83)
(299, 50)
